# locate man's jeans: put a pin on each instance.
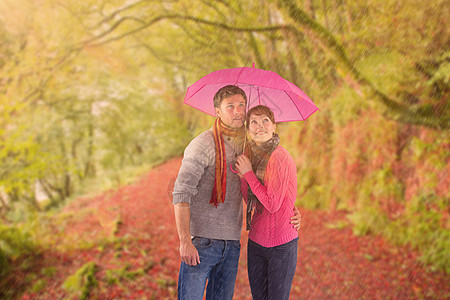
(218, 263)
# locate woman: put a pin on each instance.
(271, 175)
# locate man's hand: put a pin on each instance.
(296, 219)
(189, 254)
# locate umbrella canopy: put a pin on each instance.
(287, 101)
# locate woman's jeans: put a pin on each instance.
(271, 270)
(218, 263)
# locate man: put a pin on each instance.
(208, 203)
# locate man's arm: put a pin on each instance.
(188, 252)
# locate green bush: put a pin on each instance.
(83, 281)
(38, 285)
(115, 276)
(315, 198)
(419, 227)
(4, 262)
(368, 220)
(14, 242)
(49, 272)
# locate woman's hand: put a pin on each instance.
(243, 164)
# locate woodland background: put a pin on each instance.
(91, 96)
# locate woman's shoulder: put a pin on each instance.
(281, 151)
(281, 154)
(281, 162)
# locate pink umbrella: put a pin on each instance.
(285, 99)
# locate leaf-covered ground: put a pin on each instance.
(130, 237)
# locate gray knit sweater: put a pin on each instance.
(194, 185)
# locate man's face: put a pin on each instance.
(232, 111)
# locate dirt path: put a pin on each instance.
(130, 235)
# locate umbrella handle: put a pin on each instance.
(233, 170)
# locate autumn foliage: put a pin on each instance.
(123, 245)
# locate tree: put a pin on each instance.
(250, 30)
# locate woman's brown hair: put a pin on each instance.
(260, 110)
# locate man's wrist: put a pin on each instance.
(185, 240)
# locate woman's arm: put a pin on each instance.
(279, 170)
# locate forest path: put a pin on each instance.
(130, 235)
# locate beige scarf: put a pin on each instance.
(259, 157)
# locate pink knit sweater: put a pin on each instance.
(272, 228)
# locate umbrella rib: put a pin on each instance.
(295, 105)
(202, 110)
(259, 97)
(239, 75)
(195, 92)
(246, 111)
(249, 98)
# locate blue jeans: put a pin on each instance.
(271, 270)
(218, 263)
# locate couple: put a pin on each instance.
(207, 200)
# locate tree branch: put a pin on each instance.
(396, 110)
(118, 11)
(399, 112)
(112, 28)
(176, 17)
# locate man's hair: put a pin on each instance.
(228, 91)
(260, 110)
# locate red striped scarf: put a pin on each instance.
(220, 180)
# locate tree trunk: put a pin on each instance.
(5, 207)
(67, 186)
(89, 167)
(48, 188)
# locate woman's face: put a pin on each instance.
(260, 128)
